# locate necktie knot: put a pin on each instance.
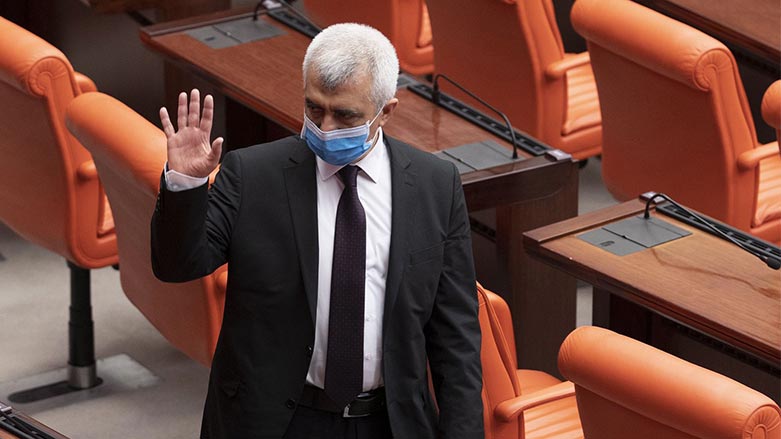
(349, 175)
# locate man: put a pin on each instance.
(349, 257)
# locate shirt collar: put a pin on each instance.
(370, 164)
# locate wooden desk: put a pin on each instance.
(699, 281)
(266, 77)
(753, 25)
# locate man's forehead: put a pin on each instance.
(332, 83)
(350, 94)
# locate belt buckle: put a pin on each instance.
(346, 413)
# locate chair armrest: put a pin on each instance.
(558, 69)
(222, 280)
(84, 83)
(751, 158)
(87, 171)
(213, 174)
(771, 105)
(509, 410)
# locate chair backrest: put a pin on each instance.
(625, 388)
(500, 381)
(499, 50)
(130, 154)
(404, 22)
(50, 193)
(674, 113)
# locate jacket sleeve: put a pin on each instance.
(453, 332)
(191, 229)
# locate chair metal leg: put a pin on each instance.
(82, 373)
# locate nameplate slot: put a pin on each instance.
(633, 235)
(234, 32)
(477, 156)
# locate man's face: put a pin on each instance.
(345, 107)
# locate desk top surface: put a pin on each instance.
(754, 24)
(699, 280)
(266, 76)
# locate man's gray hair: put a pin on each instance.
(342, 52)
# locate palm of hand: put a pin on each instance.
(189, 152)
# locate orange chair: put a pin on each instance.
(519, 404)
(130, 154)
(675, 117)
(771, 109)
(404, 22)
(509, 52)
(51, 194)
(627, 389)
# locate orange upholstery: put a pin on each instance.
(130, 154)
(404, 22)
(771, 109)
(510, 54)
(627, 389)
(675, 117)
(543, 407)
(51, 194)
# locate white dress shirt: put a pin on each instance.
(374, 191)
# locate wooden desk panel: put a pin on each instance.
(265, 76)
(700, 280)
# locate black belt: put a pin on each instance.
(363, 405)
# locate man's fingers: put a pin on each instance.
(165, 120)
(181, 112)
(208, 115)
(195, 109)
(216, 149)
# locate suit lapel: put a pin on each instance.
(403, 195)
(302, 198)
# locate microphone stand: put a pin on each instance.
(435, 97)
(773, 263)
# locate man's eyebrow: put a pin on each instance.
(310, 102)
(347, 112)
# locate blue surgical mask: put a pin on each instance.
(338, 147)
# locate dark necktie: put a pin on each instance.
(344, 361)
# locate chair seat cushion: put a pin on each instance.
(554, 420)
(582, 101)
(769, 193)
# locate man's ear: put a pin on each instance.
(387, 111)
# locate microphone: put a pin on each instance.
(771, 262)
(435, 97)
(271, 5)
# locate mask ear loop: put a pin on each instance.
(369, 123)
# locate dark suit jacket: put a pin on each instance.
(261, 217)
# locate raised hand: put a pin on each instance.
(189, 149)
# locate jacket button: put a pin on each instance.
(309, 351)
(290, 403)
